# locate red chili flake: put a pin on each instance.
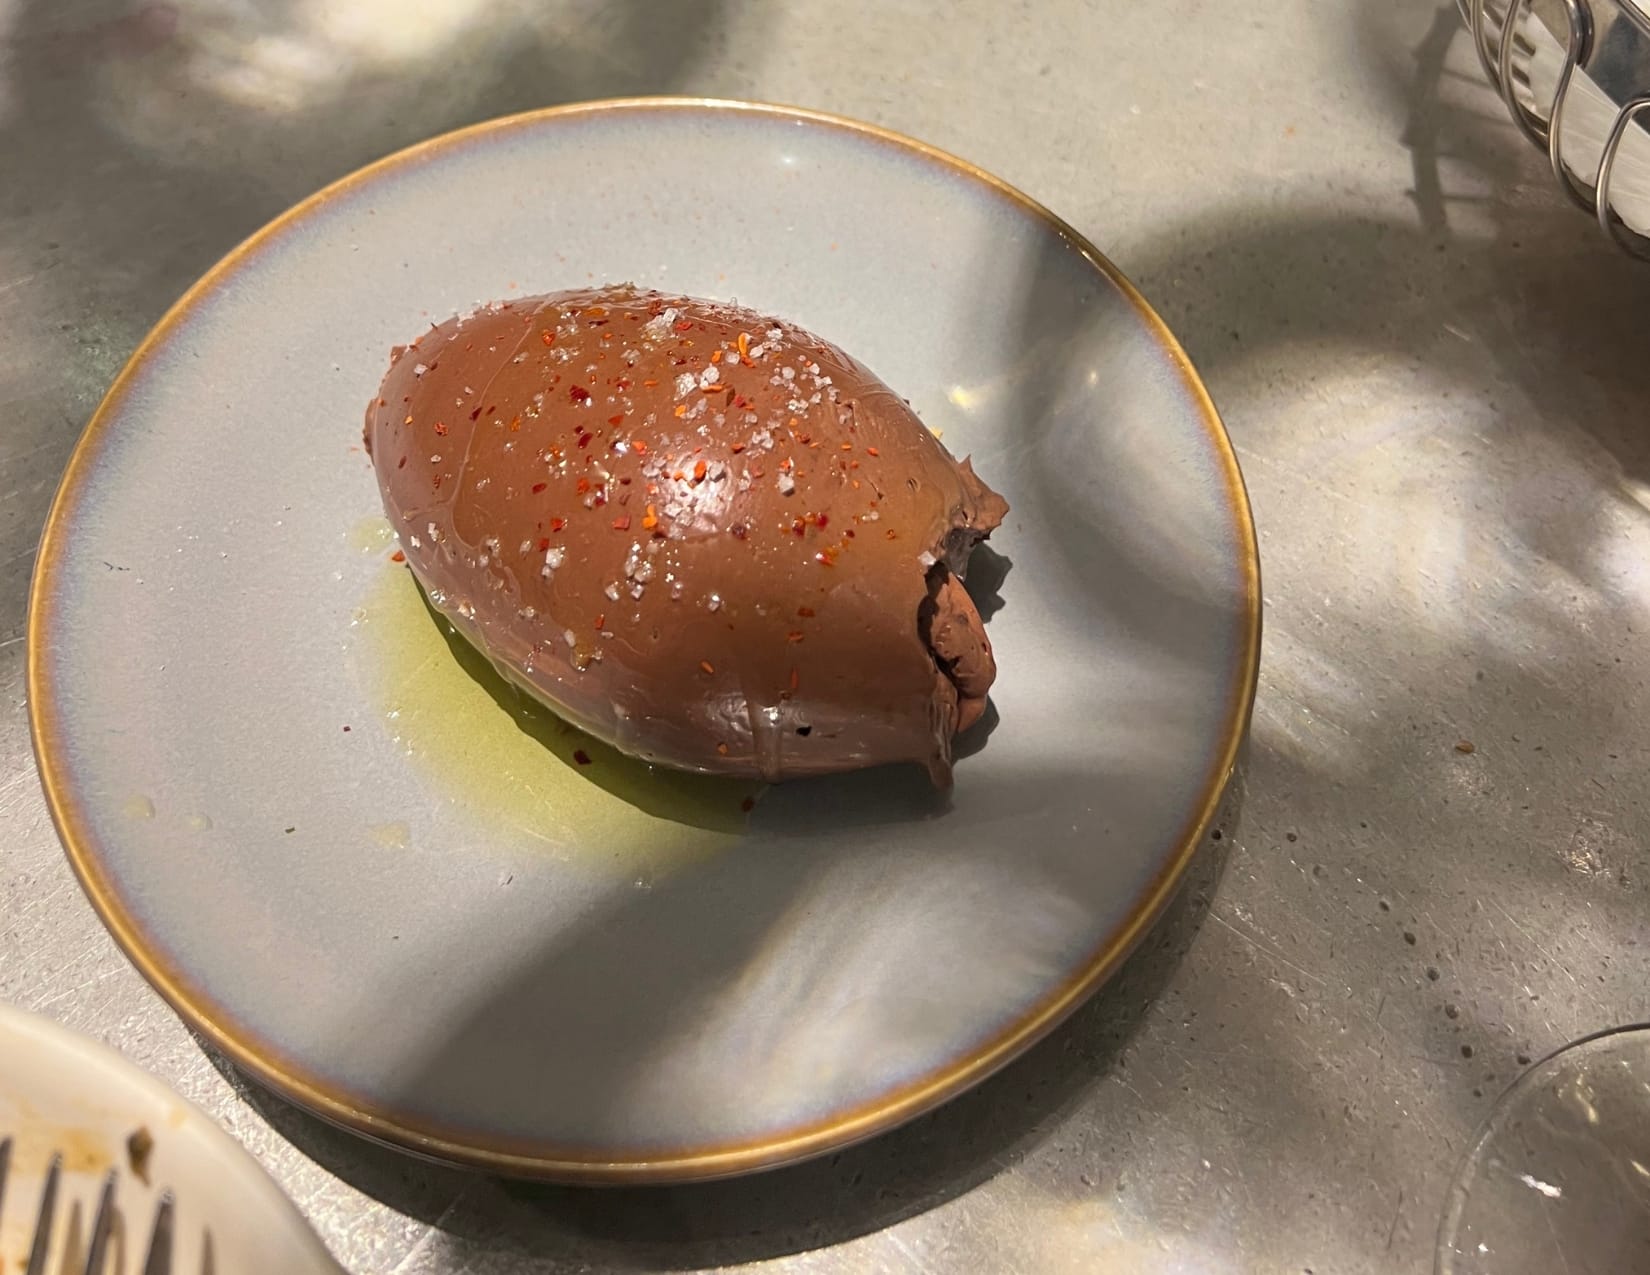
(601, 497)
(515, 425)
(475, 414)
(799, 526)
(740, 401)
(821, 519)
(584, 438)
(398, 556)
(346, 728)
(699, 471)
(849, 533)
(598, 311)
(621, 383)
(745, 349)
(578, 393)
(737, 448)
(795, 635)
(716, 356)
(601, 619)
(408, 420)
(707, 666)
(547, 336)
(891, 534)
(556, 524)
(650, 520)
(438, 479)
(684, 325)
(638, 446)
(681, 409)
(807, 613)
(402, 463)
(795, 679)
(544, 543)
(785, 464)
(826, 557)
(538, 487)
(872, 451)
(847, 447)
(582, 486)
(580, 756)
(650, 383)
(622, 523)
(722, 750)
(748, 804)
(440, 428)
(853, 464)
(616, 420)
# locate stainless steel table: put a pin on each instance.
(1434, 867)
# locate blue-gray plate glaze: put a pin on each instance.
(405, 899)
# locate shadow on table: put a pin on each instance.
(1496, 278)
(140, 140)
(1497, 290)
(822, 1202)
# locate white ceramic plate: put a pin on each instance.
(62, 1094)
(385, 886)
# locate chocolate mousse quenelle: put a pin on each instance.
(699, 533)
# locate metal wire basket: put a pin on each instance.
(1576, 76)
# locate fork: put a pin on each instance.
(157, 1260)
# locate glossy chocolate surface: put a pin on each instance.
(699, 533)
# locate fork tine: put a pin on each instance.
(43, 1222)
(159, 1260)
(101, 1222)
(5, 1168)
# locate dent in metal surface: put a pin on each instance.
(1436, 384)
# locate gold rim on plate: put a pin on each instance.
(265, 1064)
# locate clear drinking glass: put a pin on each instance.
(1557, 1179)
